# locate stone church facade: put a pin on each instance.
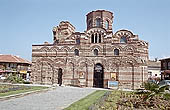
(93, 57)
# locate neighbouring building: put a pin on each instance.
(93, 57)
(14, 65)
(165, 69)
(154, 70)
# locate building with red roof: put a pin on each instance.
(10, 64)
(165, 68)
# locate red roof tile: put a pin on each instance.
(12, 58)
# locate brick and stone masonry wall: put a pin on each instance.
(78, 70)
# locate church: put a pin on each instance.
(91, 58)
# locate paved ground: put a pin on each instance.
(56, 99)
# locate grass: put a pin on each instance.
(84, 103)
(12, 92)
(110, 102)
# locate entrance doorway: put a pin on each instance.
(60, 76)
(98, 76)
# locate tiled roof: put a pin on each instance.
(164, 59)
(13, 59)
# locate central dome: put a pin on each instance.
(100, 19)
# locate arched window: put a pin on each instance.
(54, 32)
(99, 38)
(78, 41)
(95, 52)
(123, 39)
(92, 38)
(116, 52)
(76, 52)
(90, 23)
(96, 38)
(98, 22)
(107, 24)
(54, 38)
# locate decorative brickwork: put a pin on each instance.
(97, 51)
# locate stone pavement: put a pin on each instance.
(56, 99)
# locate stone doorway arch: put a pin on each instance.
(98, 78)
(60, 76)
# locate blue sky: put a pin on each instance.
(27, 22)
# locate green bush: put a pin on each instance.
(167, 96)
(14, 79)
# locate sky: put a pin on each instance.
(27, 22)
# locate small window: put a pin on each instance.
(116, 52)
(98, 22)
(123, 39)
(92, 38)
(78, 41)
(54, 32)
(164, 65)
(96, 38)
(95, 52)
(150, 73)
(107, 24)
(76, 52)
(168, 65)
(99, 38)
